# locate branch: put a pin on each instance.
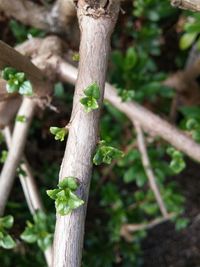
(52, 19)
(30, 189)
(96, 29)
(192, 5)
(128, 229)
(148, 169)
(135, 112)
(14, 155)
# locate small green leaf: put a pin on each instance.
(89, 103)
(20, 118)
(6, 222)
(45, 242)
(93, 91)
(59, 133)
(12, 87)
(53, 193)
(68, 182)
(74, 201)
(76, 57)
(29, 235)
(8, 72)
(4, 155)
(92, 94)
(65, 200)
(7, 242)
(187, 40)
(26, 88)
(105, 154)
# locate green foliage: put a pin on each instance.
(65, 198)
(76, 57)
(20, 118)
(191, 32)
(177, 163)
(90, 101)
(38, 231)
(17, 82)
(4, 155)
(59, 133)
(191, 121)
(105, 154)
(22, 33)
(6, 241)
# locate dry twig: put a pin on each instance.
(148, 169)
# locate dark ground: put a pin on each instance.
(165, 247)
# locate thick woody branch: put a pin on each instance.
(52, 19)
(96, 29)
(15, 153)
(148, 170)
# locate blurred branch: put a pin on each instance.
(30, 189)
(148, 169)
(193, 5)
(15, 153)
(128, 229)
(52, 19)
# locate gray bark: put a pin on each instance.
(96, 29)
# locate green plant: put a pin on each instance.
(90, 101)
(59, 133)
(177, 163)
(65, 198)
(17, 82)
(4, 155)
(105, 153)
(6, 241)
(38, 231)
(20, 118)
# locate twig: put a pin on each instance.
(30, 189)
(128, 229)
(14, 155)
(148, 169)
(27, 180)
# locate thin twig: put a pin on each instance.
(128, 229)
(148, 169)
(14, 155)
(30, 189)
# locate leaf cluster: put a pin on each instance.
(17, 82)
(6, 241)
(92, 95)
(65, 198)
(38, 231)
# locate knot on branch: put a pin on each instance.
(98, 8)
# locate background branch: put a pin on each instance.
(147, 168)
(15, 153)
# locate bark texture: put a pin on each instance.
(96, 30)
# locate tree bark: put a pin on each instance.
(96, 26)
